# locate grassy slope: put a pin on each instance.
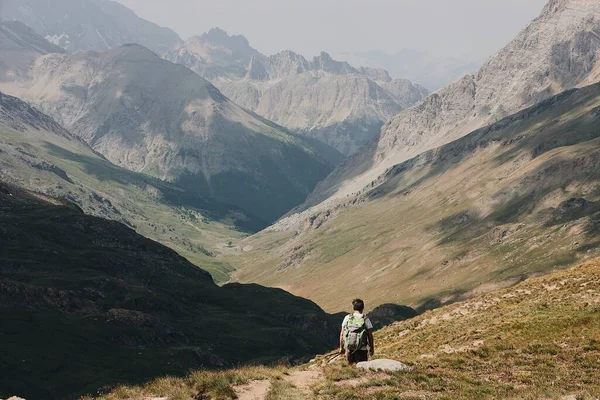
(537, 340)
(87, 302)
(477, 214)
(195, 227)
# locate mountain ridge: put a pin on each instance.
(171, 123)
(508, 200)
(97, 25)
(556, 52)
(343, 106)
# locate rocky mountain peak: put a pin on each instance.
(324, 62)
(286, 63)
(377, 74)
(555, 6)
(221, 37)
(219, 48)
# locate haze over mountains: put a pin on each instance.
(558, 51)
(325, 99)
(200, 144)
(416, 65)
(420, 200)
(147, 114)
(88, 25)
(322, 98)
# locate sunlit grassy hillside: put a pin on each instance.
(537, 340)
(511, 200)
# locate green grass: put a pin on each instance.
(196, 227)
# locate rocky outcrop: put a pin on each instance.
(383, 365)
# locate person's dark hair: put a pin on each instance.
(358, 305)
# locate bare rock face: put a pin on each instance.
(91, 25)
(556, 52)
(149, 115)
(322, 98)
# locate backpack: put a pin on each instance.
(355, 333)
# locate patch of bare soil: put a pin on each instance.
(255, 390)
(303, 380)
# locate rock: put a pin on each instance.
(383, 365)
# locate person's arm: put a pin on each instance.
(342, 349)
(371, 342)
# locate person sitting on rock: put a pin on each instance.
(356, 335)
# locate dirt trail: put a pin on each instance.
(302, 381)
(255, 390)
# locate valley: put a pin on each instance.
(191, 218)
(507, 201)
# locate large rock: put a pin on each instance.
(383, 365)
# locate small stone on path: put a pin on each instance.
(383, 365)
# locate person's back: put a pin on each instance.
(356, 336)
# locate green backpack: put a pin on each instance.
(355, 333)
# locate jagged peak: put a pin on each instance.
(377, 74)
(219, 36)
(324, 62)
(286, 63)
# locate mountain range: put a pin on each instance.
(416, 65)
(150, 115)
(136, 170)
(323, 98)
(556, 52)
(455, 195)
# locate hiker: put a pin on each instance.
(357, 335)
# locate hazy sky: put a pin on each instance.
(465, 28)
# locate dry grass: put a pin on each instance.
(540, 339)
(216, 385)
(537, 340)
